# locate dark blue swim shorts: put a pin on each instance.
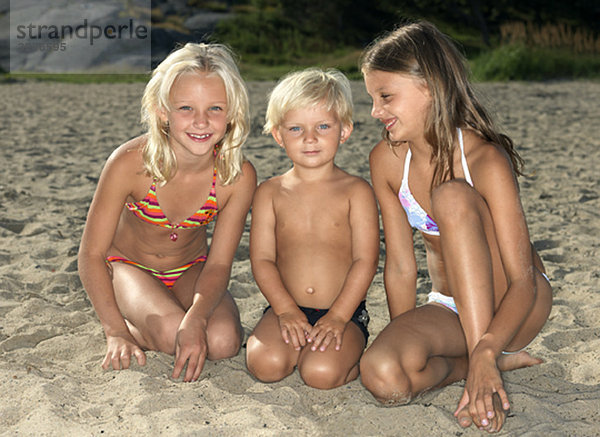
(360, 317)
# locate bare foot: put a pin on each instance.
(464, 418)
(516, 361)
(495, 423)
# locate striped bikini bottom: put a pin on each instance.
(167, 277)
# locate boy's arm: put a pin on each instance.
(263, 256)
(364, 225)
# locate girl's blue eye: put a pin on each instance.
(324, 126)
(294, 129)
(216, 108)
(185, 108)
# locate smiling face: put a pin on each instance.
(401, 102)
(198, 113)
(311, 135)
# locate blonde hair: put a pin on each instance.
(308, 88)
(420, 50)
(217, 59)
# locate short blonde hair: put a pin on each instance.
(308, 88)
(217, 59)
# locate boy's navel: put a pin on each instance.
(310, 290)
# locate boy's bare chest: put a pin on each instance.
(312, 211)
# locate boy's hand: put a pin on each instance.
(120, 349)
(327, 328)
(294, 326)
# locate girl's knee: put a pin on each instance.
(385, 378)
(453, 199)
(224, 343)
(163, 334)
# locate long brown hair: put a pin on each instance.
(419, 49)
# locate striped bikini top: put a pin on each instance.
(150, 211)
(417, 217)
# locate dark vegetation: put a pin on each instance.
(502, 39)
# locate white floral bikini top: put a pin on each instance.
(417, 217)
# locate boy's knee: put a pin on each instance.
(266, 365)
(322, 375)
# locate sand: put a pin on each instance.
(54, 139)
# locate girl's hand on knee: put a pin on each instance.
(120, 348)
(326, 330)
(191, 348)
(294, 326)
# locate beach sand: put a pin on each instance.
(53, 143)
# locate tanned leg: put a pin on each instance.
(418, 351)
(268, 357)
(333, 368)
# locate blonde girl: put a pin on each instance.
(444, 169)
(144, 258)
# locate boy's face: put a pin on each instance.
(311, 135)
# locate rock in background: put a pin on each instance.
(173, 23)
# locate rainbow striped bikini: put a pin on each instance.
(150, 211)
(167, 277)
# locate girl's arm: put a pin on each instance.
(263, 255)
(234, 203)
(364, 224)
(496, 182)
(211, 284)
(400, 272)
(111, 193)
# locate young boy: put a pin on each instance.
(314, 241)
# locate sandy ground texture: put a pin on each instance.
(54, 139)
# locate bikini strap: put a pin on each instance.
(463, 158)
(406, 166)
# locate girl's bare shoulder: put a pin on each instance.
(125, 167)
(488, 163)
(388, 159)
(383, 153)
(246, 178)
(128, 154)
(387, 165)
(481, 153)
